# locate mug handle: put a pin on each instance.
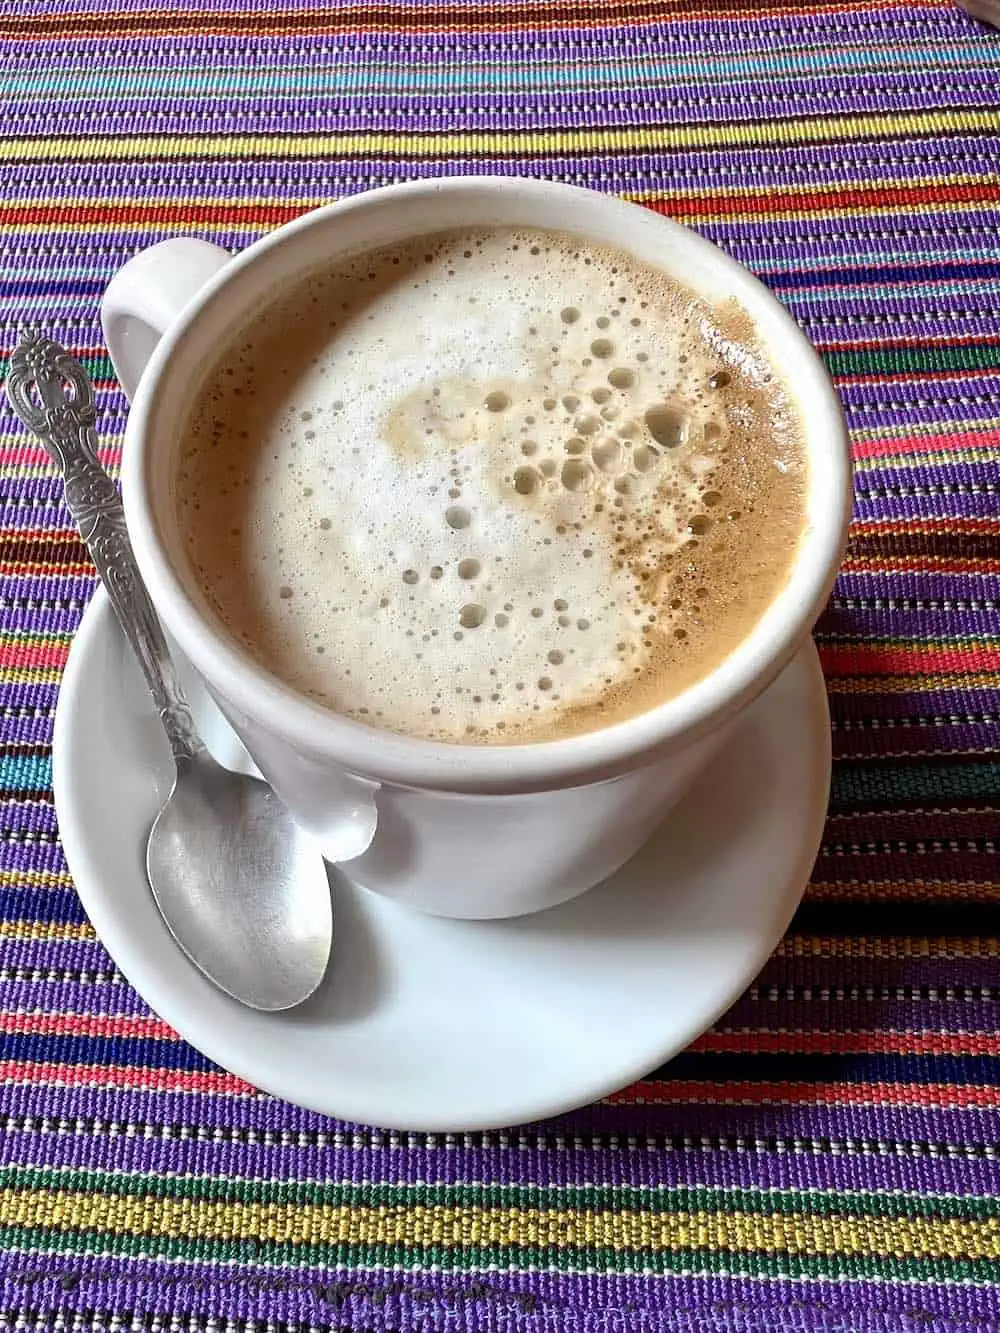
(146, 296)
(141, 301)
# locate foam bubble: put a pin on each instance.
(456, 516)
(472, 616)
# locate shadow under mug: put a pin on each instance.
(457, 830)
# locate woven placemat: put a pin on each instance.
(826, 1157)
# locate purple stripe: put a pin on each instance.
(60, 997)
(929, 401)
(696, 1165)
(913, 825)
(48, 585)
(16, 818)
(831, 241)
(21, 694)
(908, 474)
(813, 969)
(82, 954)
(918, 703)
(25, 730)
(904, 743)
(590, 1300)
(22, 855)
(925, 585)
(62, 623)
(898, 624)
(928, 866)
(834, 1015)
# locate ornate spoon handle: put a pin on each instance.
(52, 395)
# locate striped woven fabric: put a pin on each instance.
(827, 1156)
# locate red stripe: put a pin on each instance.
(122, 1076)
(850, 1043)
(823, 201)
(88, 1025)
(32, 656)
(927, 444)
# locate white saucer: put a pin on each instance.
(429, 1024)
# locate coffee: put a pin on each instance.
(492, 486)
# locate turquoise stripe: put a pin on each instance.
(864, 784)
(829, 296)
(25, 773)
(450, 78)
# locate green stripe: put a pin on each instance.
(99, 368)
(579, 1198)
(910, 360)
(465, 1258)
(866, 785)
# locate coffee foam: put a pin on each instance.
(491, 486)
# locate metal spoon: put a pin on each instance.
(242, 891)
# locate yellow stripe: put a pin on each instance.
(25, 675)
(42, 879)
(980, 680)
(49, 931)
(462, 1226)
(144, 147)
(821, 946)
(935, 459)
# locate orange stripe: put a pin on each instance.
(869, 659)
(397, 18)
(938, 563)
(930, 1095)
(273, 213)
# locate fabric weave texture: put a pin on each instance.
(826, 1157)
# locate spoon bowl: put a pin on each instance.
(243, 893)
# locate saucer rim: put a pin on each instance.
(162, 997)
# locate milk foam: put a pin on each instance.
(491, 486)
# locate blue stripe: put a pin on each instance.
(56, 906)
(140, 1052)
(173, 1053)
(830, 277)
(447, 77)
(978, 1070)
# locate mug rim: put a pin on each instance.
(255, 693)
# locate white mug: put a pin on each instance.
(457, 830)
